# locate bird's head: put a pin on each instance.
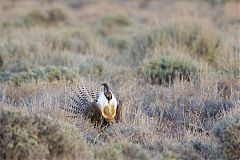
(106, 91)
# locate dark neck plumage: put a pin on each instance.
(107, 93)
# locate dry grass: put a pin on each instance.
(174, 64)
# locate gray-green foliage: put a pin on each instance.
(215, 2)
(33, 136)
(182, 152)
(168, 67)
(91, 66)
(227, 132)
(112, 22)
(49, 73)
(121, 151)
(191, 36)
(58, 73)
(198, 39)
(37, 17)
(74, 39)
(208, 150)
(134, 47)
(40, 17)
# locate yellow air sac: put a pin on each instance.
(109, 113)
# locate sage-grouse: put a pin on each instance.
(100, 105)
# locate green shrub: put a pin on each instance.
(214, 2)
(19, 67)
(36, 17)
(213, 108)
(68, 74)
(12, 48)
(121, 151)
(73, 39)
(234, 21)
(121, 42)
(43, 17)
(183, 152)
(197, 38)
(5, 76)
(194, 37)
(59, 73)
(91, 66)
(141, 46)
(51, 73)
(167, 68)
(134, 46)
(1, 61)
(18, 78)
(229, 69)
(113, 19)
(207, 150)
(111, 22)
(227, 132)
(38, 73)
(229, 62)
(56, 15)
(55, 73)
(11, 23)
(25, 136)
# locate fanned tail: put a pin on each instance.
(80, 97)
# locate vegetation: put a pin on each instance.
(49, 73)
(174, 64)
(168, 67)
(121, 151)
(25, 136)
(227, 133)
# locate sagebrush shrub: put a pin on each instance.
(33, 136)
(207, 150)
(214, 108)
(166, 68)
(36, 17)
(183, 152)
(43, 17)
(78, 40)
(121, 151)
(200, 40)
(215, 2)
(49, 73)
(227, 132)
(91, 65)
(193, 37)
(21, 77)
(112, 22)
(120, 42)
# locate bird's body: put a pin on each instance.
(89, 100)
(108, 107)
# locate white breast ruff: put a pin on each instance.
(102, 101)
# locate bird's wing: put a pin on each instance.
(119, 111)
(94, 111)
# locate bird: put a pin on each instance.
(100, 105)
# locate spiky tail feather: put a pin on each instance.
(80, 97)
